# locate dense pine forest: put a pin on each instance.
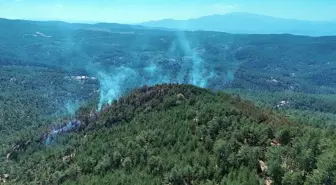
(179, 134)
(263, 111)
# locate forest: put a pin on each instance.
(179, 134)
(263, 111)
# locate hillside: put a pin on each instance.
(177, 134)
(247, 23)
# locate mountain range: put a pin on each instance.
(247, 23)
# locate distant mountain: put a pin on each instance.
(26, 25)
(247, 23)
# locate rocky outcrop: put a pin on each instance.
(180, 96)
(68, 158)
(4, 178)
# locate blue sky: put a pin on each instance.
(134, 11)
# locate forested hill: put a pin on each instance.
(177, 134)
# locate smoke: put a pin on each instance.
(199, 75)
(51, 136)
(120, 68)
(71, 107)
(189, 68)
(113, 84)
(230, 75)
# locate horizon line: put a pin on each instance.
(157, 20)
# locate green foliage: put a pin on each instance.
(207, 138)
(292, 178)
(241, 176)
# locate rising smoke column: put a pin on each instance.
(114, 83)
(198, 74)
(71, 107)
(155, 74)
(196, 65)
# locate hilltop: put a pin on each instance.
(178, 134)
